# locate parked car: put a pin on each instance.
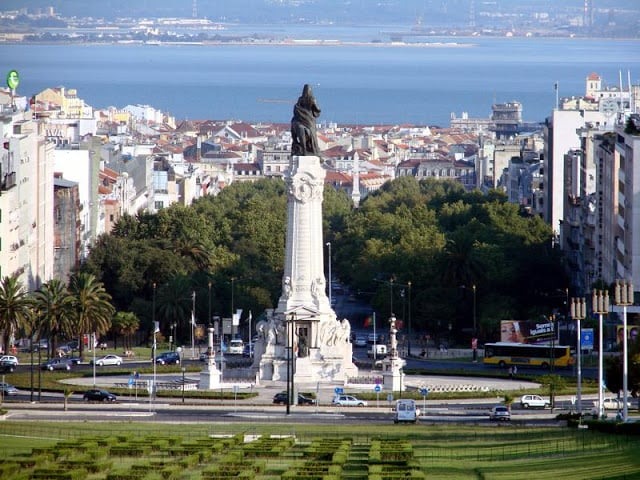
(281, 399)
(534, 401)
(235, 347)
(97, 395)
(8, 389)
(57, 364)
(168, 358)
(108, 360)
(500, 412)
(9, 360)
(348, 401)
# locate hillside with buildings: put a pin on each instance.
(69, 172)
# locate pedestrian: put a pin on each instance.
(515, 370)
(510, 372)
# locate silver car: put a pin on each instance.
(348, 401)
(8, 389)
(500, 412)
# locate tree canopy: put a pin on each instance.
(430, 234)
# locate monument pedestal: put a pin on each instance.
(393, 380)
(210, 377)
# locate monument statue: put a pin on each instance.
(303, 331)
(303, 125)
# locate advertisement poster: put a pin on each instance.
(526, 331)
(632, 333)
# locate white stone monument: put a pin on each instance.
(210, 375)
(392, 374)
(304, 321)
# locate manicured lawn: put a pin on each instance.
(152, 451)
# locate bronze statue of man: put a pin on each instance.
(303, 124)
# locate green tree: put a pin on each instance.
(90, 303)
(15, 309)
(55, 311)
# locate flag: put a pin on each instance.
(367, 322)
(156, 327)
(193, 318)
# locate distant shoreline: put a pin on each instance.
(278, 43)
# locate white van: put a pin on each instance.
(406, 411)
(236, 347)
(380, 350)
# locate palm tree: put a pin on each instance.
(15, 308)
(92, 310)
(55, 313)
(195, 251)
(126, 324)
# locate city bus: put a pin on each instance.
(505, 354)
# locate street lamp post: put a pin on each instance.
(624, 298)
(601, 307)
(233, 279)
(290, 362)
(193, 324)
(209, 304)
(475, 329)
(183, 370)
(552, 356)
(328, 244)
(155, 328)
(578, 313)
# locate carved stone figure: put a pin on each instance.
(303, 124)
(286, 287)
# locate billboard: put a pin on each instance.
(526, 331)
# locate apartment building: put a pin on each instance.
(26, 199)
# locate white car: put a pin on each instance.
(108, 360)
(534, 401)
(348, 401)
(611, 403)
(9, 360)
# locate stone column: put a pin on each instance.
(303, 282)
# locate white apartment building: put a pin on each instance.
(26, 200)
(627, 228)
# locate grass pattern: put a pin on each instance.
(127, 451)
